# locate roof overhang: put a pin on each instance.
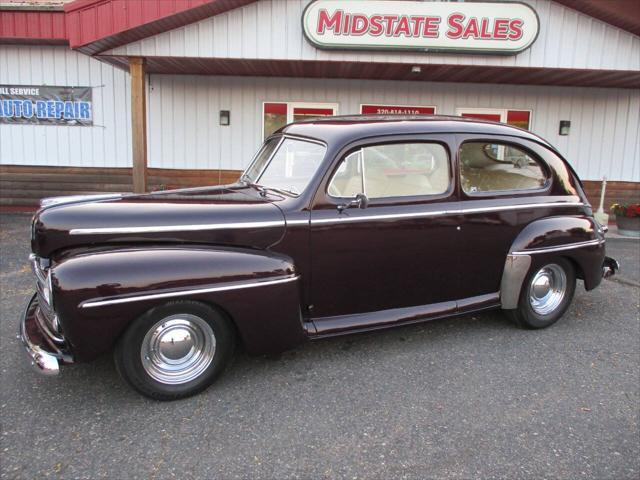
(624, 14)
(94, 26)
(44, 26)
(387, 71)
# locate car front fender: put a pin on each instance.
(98, 295)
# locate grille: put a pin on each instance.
(45, 315)
(39, 269)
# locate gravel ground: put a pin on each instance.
(472, 397)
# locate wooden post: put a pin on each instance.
(138, 124)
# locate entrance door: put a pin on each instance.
(401, 250)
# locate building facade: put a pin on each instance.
(183, 94)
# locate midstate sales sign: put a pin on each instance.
(483, 27)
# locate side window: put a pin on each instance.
(393, 170)
(347, 181)
(497, 167)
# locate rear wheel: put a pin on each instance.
(175, 350)
(546, 294)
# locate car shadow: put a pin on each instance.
(292, 365)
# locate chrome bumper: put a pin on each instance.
(44, 357)
(609, 267)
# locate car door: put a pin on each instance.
(399, 250)
(505, 184)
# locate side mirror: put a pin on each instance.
(360, 201)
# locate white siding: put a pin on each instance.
(106, 144)
(271, 29)
(184, 130)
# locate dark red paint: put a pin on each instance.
(348, 276)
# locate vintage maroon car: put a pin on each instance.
(339, 225)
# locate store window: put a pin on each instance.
(277, 114)
(498, 167)
(517, 118)
(393, 170)
(274, 116)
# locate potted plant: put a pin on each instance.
(627, 218)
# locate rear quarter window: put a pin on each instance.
(487, 166)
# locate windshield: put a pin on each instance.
(285, 164)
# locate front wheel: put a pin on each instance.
(546, 294)
(175, 350)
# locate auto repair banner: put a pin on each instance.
(46, 105)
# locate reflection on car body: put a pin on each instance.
(339, 225)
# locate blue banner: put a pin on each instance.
(46, 105)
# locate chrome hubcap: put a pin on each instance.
(547, 289)
(178, 349)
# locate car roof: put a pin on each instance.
(352, 127)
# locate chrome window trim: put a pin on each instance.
(255, 157)
(364, 176)
(335, 173)
(426, 196)
(544, 167)
(268, 162)
(560, 248)
(283, 137)
(305, 139)
(195, 291)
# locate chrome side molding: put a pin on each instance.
(342, 219)
(194, 291)
(560, 248)
(437, 213)
(174, 228)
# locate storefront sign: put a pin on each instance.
(396, 110)
(45, 105)
(484, 27)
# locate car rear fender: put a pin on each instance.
(578, 238)
(97, 296)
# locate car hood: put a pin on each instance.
(231, 215)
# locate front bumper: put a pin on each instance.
(43, 354)
(609, 267)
